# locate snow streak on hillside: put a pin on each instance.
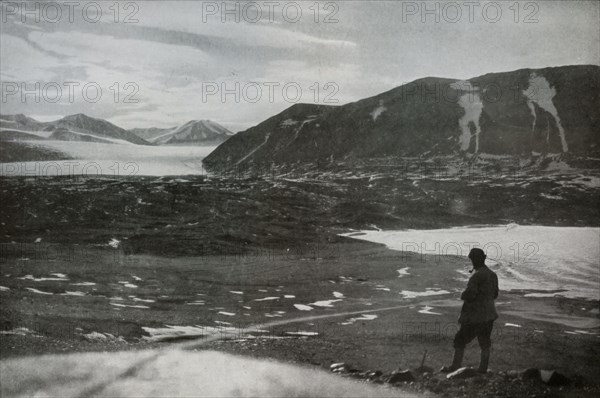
(472, 105)
(541, 93)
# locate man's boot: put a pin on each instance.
(456, 361)
(485, 359)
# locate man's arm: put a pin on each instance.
(496, 290)
(470, 292)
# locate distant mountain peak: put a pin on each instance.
(194, 132)
(76, 127)
(82, 117)
(81, 127)
(79, 117)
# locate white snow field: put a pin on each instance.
(91, 158)
(174, 373)
(560, 261)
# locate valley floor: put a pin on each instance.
(257, 267)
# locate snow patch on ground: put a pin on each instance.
(427, 310)
(20, 332)
(76, 293)
(274, 314)
(97, 336)
(129, 306)
(114, 243)
(555, 294)
(364, 317)
(57, 277)
(302, 333)
(324, 303)
(513, 325)
(127, 284)
(37, 291)
(170, 331)
(267, 299)
(553, 197)
(142, 300)
(226, 313)
(427, 292)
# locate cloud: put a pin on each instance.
(190, 17)
(21, 62)
(126, 54)
(171, 52)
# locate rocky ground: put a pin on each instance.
(104, 264)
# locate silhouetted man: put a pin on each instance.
(478, 312)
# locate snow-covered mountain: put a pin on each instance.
(152, 132)
(20, 122)
(194, 132)
(80, 125)
(77, 127)
(180, 149)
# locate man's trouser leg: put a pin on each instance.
(456, 361)
(461, 339)
(458, 357)
(485, 343)
(485, 359)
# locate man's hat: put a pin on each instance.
(477, 254)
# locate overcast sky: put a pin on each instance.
(178, 56)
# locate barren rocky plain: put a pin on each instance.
(253, 262)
